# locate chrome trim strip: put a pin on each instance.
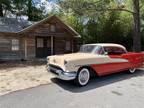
(59, 73)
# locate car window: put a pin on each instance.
(114, 50)
(99, 50)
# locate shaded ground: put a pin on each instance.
(121, 90)
(21, 75)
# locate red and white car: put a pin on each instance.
(99, 59)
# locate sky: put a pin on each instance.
(48, 4)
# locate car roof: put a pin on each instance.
(107, 44)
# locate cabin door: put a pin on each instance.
(43, 47)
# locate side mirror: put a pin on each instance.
(106, 53)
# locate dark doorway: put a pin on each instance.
(43, 47)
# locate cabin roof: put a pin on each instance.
(67, 27)
(12, 24)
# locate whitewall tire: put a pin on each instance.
(132, 70)
(83, 77)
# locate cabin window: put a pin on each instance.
(15, 44)
(52, 28)
(39, 42)
(68, 45)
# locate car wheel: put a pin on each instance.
(132, 70)
(83, 77)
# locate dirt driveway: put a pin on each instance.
(21, 75)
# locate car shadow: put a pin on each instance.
(97, 81)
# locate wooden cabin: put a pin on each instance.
(44, 38)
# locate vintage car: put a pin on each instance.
(98, 59)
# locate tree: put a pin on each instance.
(1, 10)
(97, 7)
(34, 13)
(136, 35)
(19, 7)
(5, 5)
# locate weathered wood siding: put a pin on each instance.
(6, 51)
(31, 52)
(63, 41)
(62, 45)
(44, 30)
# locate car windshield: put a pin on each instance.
(90, 49)
(87, 48)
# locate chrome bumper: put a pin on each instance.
(59, 73)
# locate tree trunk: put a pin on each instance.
(29, 11)
(1, 10)
(136, 27)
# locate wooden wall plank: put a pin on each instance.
(31, 53)
(6, 51)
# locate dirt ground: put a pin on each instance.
(21, 75)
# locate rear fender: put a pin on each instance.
(135, 59)
(143, 59)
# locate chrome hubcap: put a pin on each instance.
(84, 76)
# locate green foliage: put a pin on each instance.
(5, 5)
(105, 20)
(33, 13)
(96, 20)
(20, 8)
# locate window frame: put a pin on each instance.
(52, 28)
(114, 50)
(67, 42)
(40, 43)
(101, 50)
(15, 45)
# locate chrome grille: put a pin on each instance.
(53, 68)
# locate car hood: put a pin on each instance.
(74, 56)
(70, 59)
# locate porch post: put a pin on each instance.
(52, 48)
(25, 48)
(72, 46)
